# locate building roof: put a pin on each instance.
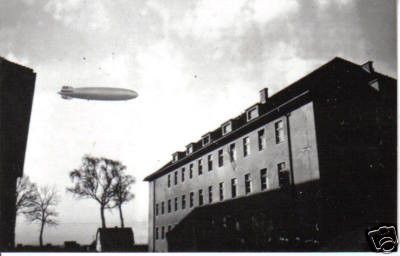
(275, 103)
(8, 62)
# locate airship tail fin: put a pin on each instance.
(66, 97)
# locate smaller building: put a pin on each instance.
(114, 240)
(71, 246)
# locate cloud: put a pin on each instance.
(80, 15)
(117, 69)
(20, 60)
(29, 2)
(328, 3)
(209, 18)
(162, 67)
(265, 11)
(213, 19)
(283, 66)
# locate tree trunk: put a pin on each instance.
(103, 220)
(120, 216)
(41, 234)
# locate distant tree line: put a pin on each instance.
(103, 180)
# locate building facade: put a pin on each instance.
(17, 85)
(302, 148)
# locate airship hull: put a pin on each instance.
(98, 93)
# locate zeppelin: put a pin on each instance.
(97, 93)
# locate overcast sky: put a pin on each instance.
(195, 64)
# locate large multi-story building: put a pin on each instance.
(17, 85)
(299, 170)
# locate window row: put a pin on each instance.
(164, 230)
(174, 178)
(182, 201)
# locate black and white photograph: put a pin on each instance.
(184, 126)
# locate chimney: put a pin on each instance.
(263, 95)
(368, 67)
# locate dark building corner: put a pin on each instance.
(17, 85)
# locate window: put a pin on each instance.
(156, 209)
(264, 179)
(283, 175)
(190, 171)
(162, 232)
(200, 166)
(234, 187)
(279, 132)
(162, 207)
(221, 191)
(169, 180)
(374, 84)
(210, 194)
(237, 225)
(252, 113)
(246, 146)
(175, 157)
(176, 204)
(189, 149)
(169, 228)
(232, 152)
(261, 139)
(191, 199)
(206, 139)
(183, 174)
(183, 202)
(175, 178)
(226, 128)
(201, 199)
(169, 205)
(247, 183)
(209, 162)
(220, 157)
(157, 235)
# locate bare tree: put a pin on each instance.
(26, 195)
(122, 191)
(43, 209)
(96, 179)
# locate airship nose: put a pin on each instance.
(133, 94)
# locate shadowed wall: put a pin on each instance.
(16, 92)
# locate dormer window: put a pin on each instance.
(227, 127)
(206, 139)
(175, 157)
(252, 113)
(189, 149)
(374, 84)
